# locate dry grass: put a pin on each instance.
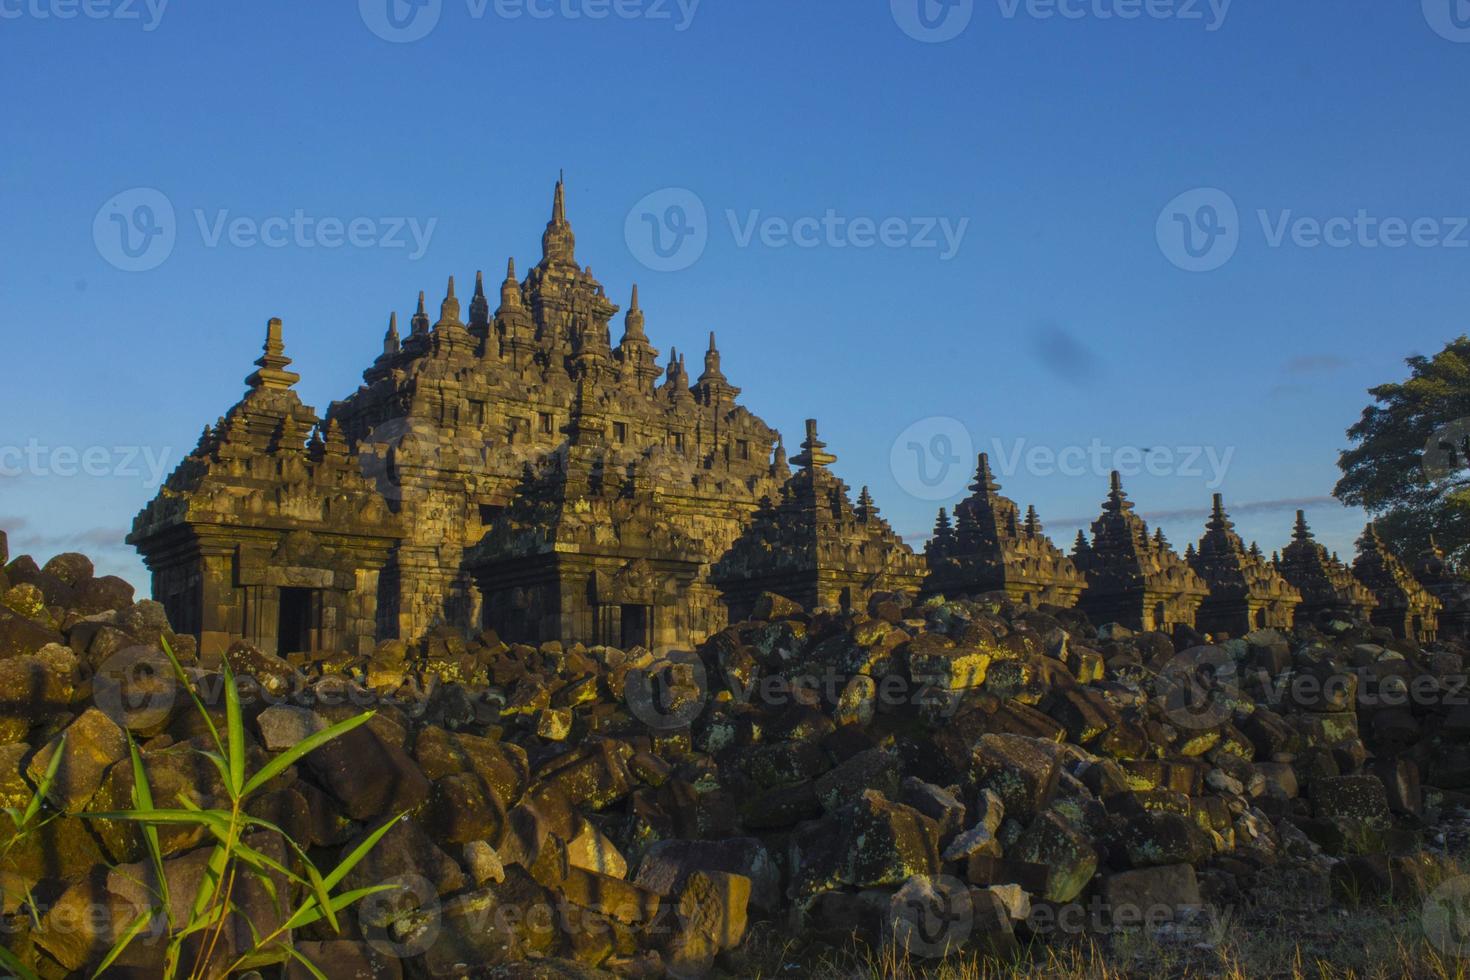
(1277, 935)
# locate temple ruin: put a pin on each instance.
(1404, 606)
(514, 470)
(1246, 591)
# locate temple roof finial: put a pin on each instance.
(449, 309)
(420, 322)
(390, 339)
(984, 484)
(558, 244)
(273, 362)
(813, 455)
(633, 321)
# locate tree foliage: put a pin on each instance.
(1410, 465)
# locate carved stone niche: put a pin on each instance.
(635, 584)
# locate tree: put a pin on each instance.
(1410, 467)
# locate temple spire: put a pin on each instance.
(390, 339)
(479, 304)
(558, 244)
(510, 289)
(1033, 522)
(813, 455)
(420, 322)
(984, 484)
(634, 321)
(449, 309)
(273, 362)
(1301, 532)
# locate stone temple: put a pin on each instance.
(515, 470)
(509, 469)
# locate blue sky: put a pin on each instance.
(1060, 147)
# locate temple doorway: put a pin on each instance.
(300, 622)
(637, 627)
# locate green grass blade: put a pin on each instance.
(262, 862)
(183, 679)
(143, 800)
(300, 957)
(219, 763)
(287, 758)
(235, 732)
(319, 889)
(359, 852)
(15, 966)
(44, 788)
(311, 912)
(196, 818)
(123, 941)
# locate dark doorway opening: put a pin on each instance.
(300, 619)
(637, 626)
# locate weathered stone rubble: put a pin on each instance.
(833, 773)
